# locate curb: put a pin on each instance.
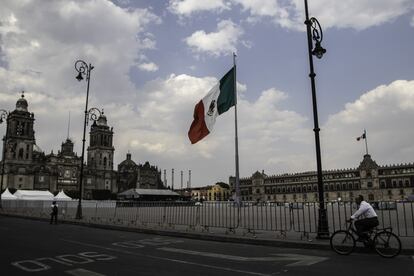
(211, 237)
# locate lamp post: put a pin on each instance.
(83, 69)
(4, 115)
(314, 32)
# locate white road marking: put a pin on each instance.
(167, 259)
(66, 259)
(300, 260)
(83, 272)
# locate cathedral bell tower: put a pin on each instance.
(101, 156)
(21, 136)
(18, 145)
(101, 150)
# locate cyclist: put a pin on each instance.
(365, 218)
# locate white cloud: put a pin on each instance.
(149, 66)
(386, 113)
(189, 7)
(290, 14)
(38, 56)
(109, 37)
(221, 42)
(359, 15)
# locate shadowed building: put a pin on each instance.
(28, 167)
(133, 176)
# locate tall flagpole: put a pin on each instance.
(366, 141)
(238, 200)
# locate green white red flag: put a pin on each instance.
(218, 100)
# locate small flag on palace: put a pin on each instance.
(361, 137)
(220, 98)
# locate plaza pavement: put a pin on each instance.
(266, 238)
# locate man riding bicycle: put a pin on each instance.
(365, 218)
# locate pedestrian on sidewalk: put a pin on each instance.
(54, 213)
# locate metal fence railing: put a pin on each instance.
(280, 217)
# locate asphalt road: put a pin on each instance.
(30, 247)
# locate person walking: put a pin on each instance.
(54, 213)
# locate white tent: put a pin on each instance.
(61, 196)
(6, 195)
(33, 195)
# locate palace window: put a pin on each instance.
(20, 156)
(369, 184)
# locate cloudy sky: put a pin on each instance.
(154, 60)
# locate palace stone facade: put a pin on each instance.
(374, 182)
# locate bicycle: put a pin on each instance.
(384, 241)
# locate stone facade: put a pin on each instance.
(26, 166)
(133, 176)
(374, 182)
(217, 192)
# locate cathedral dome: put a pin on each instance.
(21, 104)
(102, 120)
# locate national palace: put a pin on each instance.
(374, 182)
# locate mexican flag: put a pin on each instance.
(220, 98)
(363, 136)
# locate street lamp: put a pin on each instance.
(314, 32)
(83, 69)
(4, 115)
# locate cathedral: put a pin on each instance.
(27, 167)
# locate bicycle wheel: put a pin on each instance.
(387, 244)
(342, 242)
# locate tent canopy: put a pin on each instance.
(33, 195)
(7, 195)
(61, 196)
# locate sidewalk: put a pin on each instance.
(277, 239)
